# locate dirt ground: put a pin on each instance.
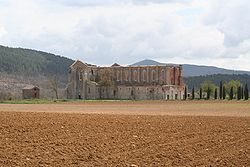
(183, 108)
(150, 133)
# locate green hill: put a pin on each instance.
(29, 62)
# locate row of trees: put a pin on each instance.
(231, 90)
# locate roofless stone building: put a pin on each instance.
(31, 92)
(125, 82)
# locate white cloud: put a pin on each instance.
(123, 33)
(189, 31)
(78, 3)
(2, 31)
(232, 18)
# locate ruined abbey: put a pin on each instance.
(125, 82)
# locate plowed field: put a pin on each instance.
(150, 133)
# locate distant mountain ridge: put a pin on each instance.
(28, 62)
(147, 62)
(194, 70)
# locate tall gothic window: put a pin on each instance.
(162, 75)
(118, 75)
(135, 77)
(144, 75)
(80, 76)
(126, 75)
(153, 75)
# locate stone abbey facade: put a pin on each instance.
(125, 82)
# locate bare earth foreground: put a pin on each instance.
(150, 133)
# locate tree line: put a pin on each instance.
(196, 81)
(233, 89)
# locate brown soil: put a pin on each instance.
(183, 108)
(215, 134)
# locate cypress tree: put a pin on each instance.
(200, 93)
(224, 93)
(215, 93)
(193, 94)
(246, 92)
(185, 93)
(231, 95)
(239, 93)
(208, 93)
(242, 92)
(221, 90)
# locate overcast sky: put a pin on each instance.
(208, 32)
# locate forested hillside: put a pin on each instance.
(21, 67)
(197, 80)
(28, 62)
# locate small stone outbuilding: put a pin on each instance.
(31, 92)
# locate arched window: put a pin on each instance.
(144, 75)
(121, 77)
(135, 77)
(80, 76)
(126, 75)
(162, 75)
(153, 75)
(118, 75)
